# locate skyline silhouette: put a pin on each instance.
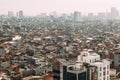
(34, 7)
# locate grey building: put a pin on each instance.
(116, 59)
(69, 71)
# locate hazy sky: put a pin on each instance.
(33, 7)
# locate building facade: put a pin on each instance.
(77, 16)
(116, 59)
(103, 69)
(88, 56)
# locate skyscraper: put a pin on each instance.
(10, 14)
(20, 14)
(77, 16)
(101, 15)
(90, 16)
(114, 13)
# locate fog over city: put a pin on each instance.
(59, 39)
(34, 7)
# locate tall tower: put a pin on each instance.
(77, 16)
(114, 13)
(20, 14)
(101, 15)
(90, 16)
(10, 14)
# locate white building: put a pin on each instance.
(103, 69)
(88, 56)
(16, 37)
(102, 66)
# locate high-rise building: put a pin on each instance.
(90, 16)
(117, 58)
(10, 14)
(20, 14)
(74, 72)
(77, 16)
(101, 66)
(87, 67)
(114, 13)
(103, 69)
(101, 15)
(69, 71)
(88, 57)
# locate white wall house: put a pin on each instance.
(103, 69)
(103, 66)
(88, 57)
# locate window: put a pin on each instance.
(104, 78)
(107, 72)
(108, 78)
(108, 66)
(104, 68)
(100, 74)
(100, 69)
(104, 73)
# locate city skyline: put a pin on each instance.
(34, 7)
